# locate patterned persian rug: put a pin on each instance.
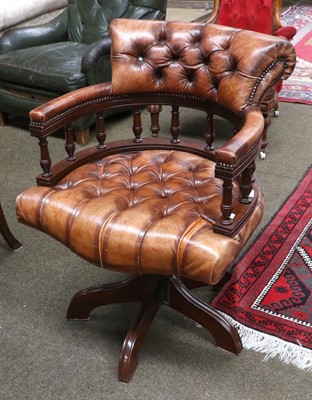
(269, 296)
(298, 88)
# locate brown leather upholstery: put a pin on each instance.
(157, 206)
(118, 212)
(200, 60)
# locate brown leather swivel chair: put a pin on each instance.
(168, 210)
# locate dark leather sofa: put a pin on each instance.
(39, 63)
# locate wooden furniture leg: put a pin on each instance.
(82, 137)
(182, 300)
(7, 234)
(129, 356)
(151, 292)
(4, 119)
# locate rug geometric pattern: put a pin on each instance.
(269, 296)
(298, 88)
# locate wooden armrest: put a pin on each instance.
(235, 150)
(67, 106)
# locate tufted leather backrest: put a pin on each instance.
(217, 63)
(89, 20)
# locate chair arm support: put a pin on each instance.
(93, 63)
(234, 151)
(30, 36)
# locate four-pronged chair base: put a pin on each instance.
(151, 292)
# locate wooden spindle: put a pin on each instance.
(101, 131)
(69, 143)
(137, 125)
(175, 124)
(154, 111)
(227, 202)
(209, 133)
(245, 184)
(45, 160)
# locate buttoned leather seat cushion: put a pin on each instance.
(55, 67)
(150, 212)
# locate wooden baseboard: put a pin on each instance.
(203, 4)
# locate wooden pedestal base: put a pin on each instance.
(151, 292)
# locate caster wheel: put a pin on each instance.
(262, 155)
(276, 113)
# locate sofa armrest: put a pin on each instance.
(286, 31)
(31, 36)
(95, 63)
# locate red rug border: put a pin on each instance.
(288, 204)
(300, 46)
(290, 197)
(257, 246)
(285, 347)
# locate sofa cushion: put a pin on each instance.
(55, 67)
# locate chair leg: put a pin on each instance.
(267, 123)
(182, 300)
(7, 234)
(138, 288)
(128, 290)
(4, 119)
(130, 350)
(276, 110)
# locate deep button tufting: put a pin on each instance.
(173, 189)
(217, 75)
(158, 74)
(141, 58)
(196, 39)
(206, 61)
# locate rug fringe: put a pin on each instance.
(272, 346)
